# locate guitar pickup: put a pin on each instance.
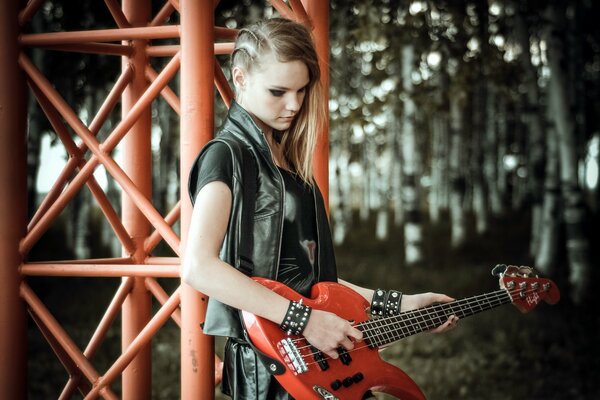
(320, 358)
(344, 356)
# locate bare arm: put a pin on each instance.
(411, 302)
(205, 272)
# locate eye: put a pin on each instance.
(276, 93)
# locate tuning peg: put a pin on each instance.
(498, 270)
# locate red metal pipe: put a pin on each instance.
(94, 48)
(175, 4)
(72, 369)
(101, 153)
(155, 237)
(13, 207)
(62, 338)
(137, 165)
(197, 125)
(113, 97)
(29, 11)
(170, 50)
(100, 270)
(137, 344)
(100, 35)
(162, 15)
(283, 9)
(117, 14)
(318, 10)
(78, 156)
(162, 260)
(98, 337)
(225, 33)
(167, 93)
(300, 11)
(159, 293)
(223, 86)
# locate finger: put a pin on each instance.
(355, 334)
(332, 353)
(347, 344)
(442, 298)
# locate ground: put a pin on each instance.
(550, 353)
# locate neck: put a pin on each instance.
(383, 331)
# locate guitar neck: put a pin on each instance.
(383, 331)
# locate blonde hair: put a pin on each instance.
(288, 41)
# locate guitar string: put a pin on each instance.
(304, 356)
(470, 301)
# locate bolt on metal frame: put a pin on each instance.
(140, 228)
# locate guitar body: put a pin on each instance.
(349, 379)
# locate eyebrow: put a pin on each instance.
(286, 89)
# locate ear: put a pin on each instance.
(238, 75)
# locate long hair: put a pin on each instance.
(288, 41)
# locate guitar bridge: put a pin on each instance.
(292, 356)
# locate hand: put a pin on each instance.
(412, 302)
(326, 331)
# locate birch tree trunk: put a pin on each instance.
(438, 194)
(397, 178)
(457, 178)
(535, 124)
(412, 224)
(578, 250)
(548, 229)
(490, 152)
(480, 204)
(502, 150)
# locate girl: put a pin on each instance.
(271, 129)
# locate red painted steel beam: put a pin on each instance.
(101, 153)
(62, 339)
(167, 93)
(197, 126)
(100, 35)
(101, 270)
(137, 164)
(155, 237)
(76, 154)
(170, 50)
(162, 15)
(29, 11)
(163, 314)
(94, 48)
(99, 335)
(13, 207)
(318, 11)
(159, 293)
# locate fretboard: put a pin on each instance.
(383, 331)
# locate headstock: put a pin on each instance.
(524, 286)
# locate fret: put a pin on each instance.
(382, 331)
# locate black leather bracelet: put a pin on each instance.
(296, 318)
(392, 303)
(378, 302)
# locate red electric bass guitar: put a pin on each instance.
(307, 373)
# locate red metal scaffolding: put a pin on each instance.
(140, 227)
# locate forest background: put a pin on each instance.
(462, 134)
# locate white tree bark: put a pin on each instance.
(412, 224)
(578, 250)
(438, 194)
(457, 178)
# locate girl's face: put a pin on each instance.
(274, 93)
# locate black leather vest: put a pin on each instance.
(245, 139)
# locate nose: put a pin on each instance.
(293, 103)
